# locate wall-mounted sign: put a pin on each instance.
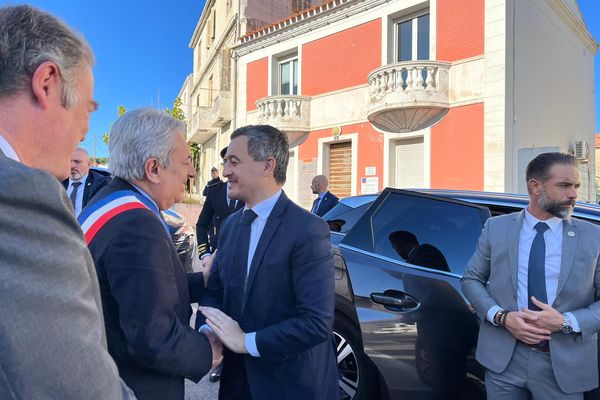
(369, 185)
(370, 171)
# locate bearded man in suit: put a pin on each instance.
(533, 281)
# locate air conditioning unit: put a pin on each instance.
(581, 150)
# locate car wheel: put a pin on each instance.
(357, 375)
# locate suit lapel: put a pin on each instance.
(569, 245)
(513, 233)
(268, 232)
(86, 189)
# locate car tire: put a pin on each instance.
(358, 377)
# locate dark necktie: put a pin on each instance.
(315, 205)
(247, 217)
(536, 274)
(73, 195)
(232, 204)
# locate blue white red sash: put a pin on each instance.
(94, 217)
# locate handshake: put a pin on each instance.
(222, 330)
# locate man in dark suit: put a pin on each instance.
(325, 200)
(51, 328)
(83, 183)
(214, 179)
(146, 293)
(273, 280)
(217, 207)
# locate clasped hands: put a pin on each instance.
(227, 329)
(533, 327)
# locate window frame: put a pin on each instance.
(293, 60)
(414, 18)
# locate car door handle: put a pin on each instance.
(394, 300)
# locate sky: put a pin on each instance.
(143, 58)
(141, 49)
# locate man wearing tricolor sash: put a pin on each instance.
(146, 293)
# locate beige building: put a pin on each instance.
(209, 101)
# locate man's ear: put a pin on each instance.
(46, 83)
(151, 169)
(269, 168)
(535, 186)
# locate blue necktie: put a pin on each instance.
(244, 239)
(536, 274)
(315, 206)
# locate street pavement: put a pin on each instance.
(204, 390)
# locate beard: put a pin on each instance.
(556, 208)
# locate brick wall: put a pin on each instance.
(457, 149)
(341, 60)
(257, 82)
(460, 29)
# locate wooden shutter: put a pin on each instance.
(340, 169)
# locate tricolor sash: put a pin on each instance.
(94, 217)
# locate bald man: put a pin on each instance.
(325, 200)
(83, 183)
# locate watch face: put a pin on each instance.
(567, 329)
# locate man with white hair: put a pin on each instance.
(51, 329)
(83, 183)
(146, 293)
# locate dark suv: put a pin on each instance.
(403, 327)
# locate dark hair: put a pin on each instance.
(539, 167)
(266, 141)
(223, 152)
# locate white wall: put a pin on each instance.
(552, 89)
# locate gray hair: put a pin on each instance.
(30, 37)
(266, 141)
(138, 136)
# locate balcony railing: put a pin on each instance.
(199, 127)
(221, 109)
(289, 113)
(409, 95)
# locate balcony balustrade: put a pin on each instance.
(408, 96)
(288, 113)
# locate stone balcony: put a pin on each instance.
(221, 109)
(288, 113)
(408, 96)
(199, 127)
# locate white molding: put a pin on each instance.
(323, 152)
(576, 25)
(300, 24)
(389, 138)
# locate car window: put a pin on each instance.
(428, 232)
(343, 221)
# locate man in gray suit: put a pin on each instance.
(533, 280)
(51, 327)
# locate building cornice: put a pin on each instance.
(201, 23)
(576, 25)
(299, 24)
(216, 48)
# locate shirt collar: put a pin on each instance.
(146, 195)
(264, 208)
(82, 179)
(322, 195)
(530, 221)
(8, 150)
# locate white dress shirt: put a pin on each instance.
(8, 150)
(553, 237)
(79, 195)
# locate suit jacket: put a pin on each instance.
(288, 301)
(146, 297)
(214, 211)
(210, 184)
(329, 201)
(93, 183)
(574, 356)
(51, 331)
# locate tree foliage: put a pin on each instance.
(177, 113)
(120, 111)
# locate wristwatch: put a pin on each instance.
(567, 326)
